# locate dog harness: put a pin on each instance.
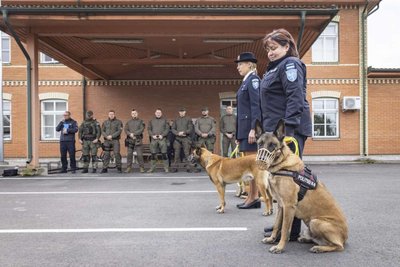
(305, 179)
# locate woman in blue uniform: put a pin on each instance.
(283, 94)
(248, 112)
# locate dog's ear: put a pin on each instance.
(280, 130)
(259, 129)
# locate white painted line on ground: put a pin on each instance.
(112, 192)
(104, 178)
(121, 230)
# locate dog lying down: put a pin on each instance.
(224, 171)
(327, 226)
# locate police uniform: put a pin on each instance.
(114, 128)
(227, 125)
(248, 105)
(135, 127)
(185, 125)
(283, 95)
(158, 126)
(89, 130)
(206, 125)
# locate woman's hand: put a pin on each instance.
(252, 136)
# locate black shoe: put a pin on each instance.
(94, 171)
(85, 171)
(119, 170)
(256, 204)
(104, 171)
(240, 204)
(268, 229)
(293, 237)
(73, 171)
(63, 171)
(174, 170)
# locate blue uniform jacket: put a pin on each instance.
(248, 106)
(72, 128)
(283, 96)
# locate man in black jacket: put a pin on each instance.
(68, 127)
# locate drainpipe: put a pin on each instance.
(84, 83)
(28, 82)
(303, 24)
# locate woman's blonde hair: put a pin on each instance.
(253, 67)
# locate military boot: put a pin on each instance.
(128, 170)
(85, 170)
(152, 166)
(166, 169)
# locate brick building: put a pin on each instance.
(180, 53)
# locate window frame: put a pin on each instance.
(43, 61)
(10, 113)
(3, 36)
(322, 61)
(54, 113)
(325, 111)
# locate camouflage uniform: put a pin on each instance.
(206, 124)
(113, 128)
(135, 127)
(89, 130)
(182, 124)
(158, 126)
(228, 126)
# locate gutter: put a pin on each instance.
(169, 11)
(28, 82)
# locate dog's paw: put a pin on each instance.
(268, 213)
(218, 207)
(220, 211)
(268, 240)
(316, 249)
(276, 249)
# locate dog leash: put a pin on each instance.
(291, 139)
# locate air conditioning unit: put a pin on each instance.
(351, 103)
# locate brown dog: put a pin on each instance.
(224, 171)
(327, 226)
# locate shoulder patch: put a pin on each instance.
(291, 74)
(255, 83)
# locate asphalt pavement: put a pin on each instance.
(165, 219)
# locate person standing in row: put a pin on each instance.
(158, 130)
(111, 131)
(89, 135)
(283, 95)
(134, 131)
(227, 127)
(68, 128)
(181, 128)
(248, 112)
(205, 129)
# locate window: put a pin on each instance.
(5, 48)
(52, 114)
(325, 48)
(45, 59)
(6, 120)
(325, 117)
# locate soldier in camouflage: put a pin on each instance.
(134, 131)
(158, 129)
(89, 134)
(227, 127)
(205, 129)
(111, 131)
(182, 128)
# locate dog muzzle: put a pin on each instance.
(265, 158)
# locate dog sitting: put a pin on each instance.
(224, 171)
(327, 226)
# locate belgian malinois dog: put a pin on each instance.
(224, 171)
(327, 226)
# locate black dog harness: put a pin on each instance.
(305, 179)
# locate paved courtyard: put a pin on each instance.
(169, 220)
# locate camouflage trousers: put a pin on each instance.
(89, 153)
